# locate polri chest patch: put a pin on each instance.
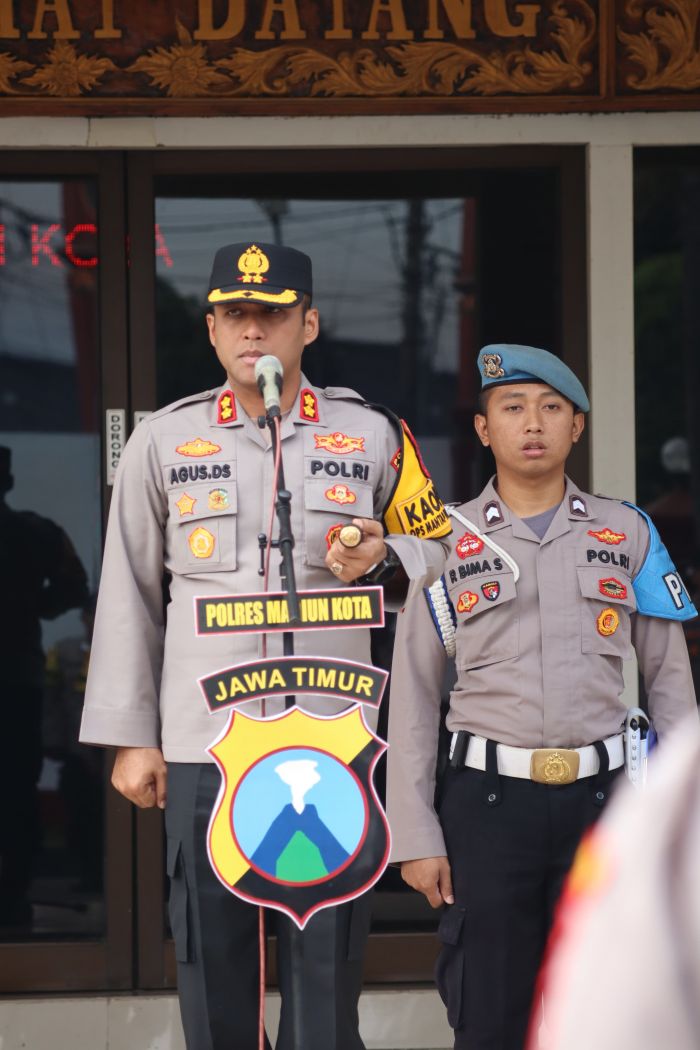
(468, 545)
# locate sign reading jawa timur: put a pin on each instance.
(311, 56)
(297, 825)
(290, 675)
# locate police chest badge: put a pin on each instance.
(297, 825)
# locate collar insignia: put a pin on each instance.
(226, 407)
(253, 263)
(467, 601)
(198, 447)
(578, 507)
(492, 511)
(308, 406)
(493, 366)
(339, 443)
(341, 494)
(607, 536)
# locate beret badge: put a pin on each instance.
(492, 366)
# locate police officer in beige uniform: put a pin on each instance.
(193, 493)
(546, 591)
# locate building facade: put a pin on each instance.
(461, 173)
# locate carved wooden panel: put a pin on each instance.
(286, 56)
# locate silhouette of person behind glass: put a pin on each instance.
(80, 777)
(42, 577)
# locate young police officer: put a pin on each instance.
(546, 591)
(193, 493)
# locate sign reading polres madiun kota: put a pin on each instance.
(364, 56)
(261, 612)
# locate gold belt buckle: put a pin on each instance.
(554, 765)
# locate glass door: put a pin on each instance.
(60, 889)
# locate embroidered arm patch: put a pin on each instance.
(658, 587)
(414, 508)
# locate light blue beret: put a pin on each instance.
(501, 363)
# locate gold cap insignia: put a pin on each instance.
(253, 263)
(492, 366)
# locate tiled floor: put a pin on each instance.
(395, 1020)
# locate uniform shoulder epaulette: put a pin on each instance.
(342, 393)
(204, 395)
(658, 587)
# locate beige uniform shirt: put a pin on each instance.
(192, 493)
(538, 663)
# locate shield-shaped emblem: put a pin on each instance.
(297, 825)
(491, 590)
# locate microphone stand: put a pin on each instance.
(285, 542)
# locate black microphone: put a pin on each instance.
(268, 375)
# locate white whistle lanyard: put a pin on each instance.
(439, 599)
(510, 561)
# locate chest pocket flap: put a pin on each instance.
(339, 497)
(613, 588)
(328, 504)
(605, 611)
(487, 619)
(477, 595)
(201, 534)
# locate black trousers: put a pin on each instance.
(510, 844)
(216, 944)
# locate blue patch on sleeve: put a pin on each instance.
(658, 587)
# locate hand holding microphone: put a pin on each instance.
(268, 376)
